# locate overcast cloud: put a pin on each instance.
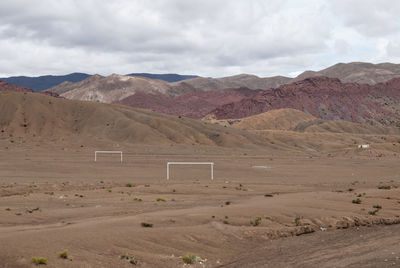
(208, 37)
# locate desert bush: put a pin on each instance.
(297, 221)
(161, 199)
(146, 225)
(39, 260)
(63, 254)
(377, 206)
(189, 258)
(129, 185)
(356, 201)
(373, 212)
(384, 187)
(269, 195)
(256, 221)
(227, 203)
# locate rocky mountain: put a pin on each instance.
(111, 88)
(236, 81)
(326, 98)
(358, 72)
(193, 104)
(164, 77)
(44, 82)
(363, 73)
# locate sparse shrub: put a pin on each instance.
(173, 190)
(350, 189)
(161, 199)
(137, 199)
(109, 190)
(39, 260)
(256, 221)
(213, 217)
(269, 195)
(63, 254)
(384, 187)
(377, 206)
(227, 203)
(226, 222)
(128, 185)
(146, 225)
(8, 209)
(373, 212)
(354, 182)
(297, 221)
(189, 258)
(356, 201)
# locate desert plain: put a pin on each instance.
(263, 208)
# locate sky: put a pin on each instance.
(212, 38)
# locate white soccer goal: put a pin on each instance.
(191, 163)
(106, 152)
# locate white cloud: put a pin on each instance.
(209, 37)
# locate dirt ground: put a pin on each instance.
(261, 210)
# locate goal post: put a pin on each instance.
(191, 163)
(107, 152)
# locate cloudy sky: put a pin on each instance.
(204, 37)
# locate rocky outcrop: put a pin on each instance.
(326, 98)
(193, 104)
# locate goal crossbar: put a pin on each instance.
(106, 152)
(192, 163)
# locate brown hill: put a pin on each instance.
(111, 88)
(295, 120)
(325, 98)
(192, 104)
(30, 116)
(236, 81)
(358, 72)
(293, 130)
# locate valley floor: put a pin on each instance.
(261, 210)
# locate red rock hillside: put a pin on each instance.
(4, 86)
(325, 98)
(193, 104)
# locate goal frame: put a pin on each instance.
(106, 152)
(192, 163)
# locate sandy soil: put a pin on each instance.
(53, 199)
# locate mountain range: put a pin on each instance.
(355, 92)
(41, 83)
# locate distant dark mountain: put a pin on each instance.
(165, 77)
(44, 82)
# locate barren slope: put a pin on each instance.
(30, 116)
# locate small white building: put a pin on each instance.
(363, 146)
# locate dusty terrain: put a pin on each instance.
(52, 198)
(294, 194)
